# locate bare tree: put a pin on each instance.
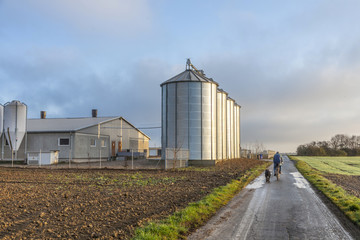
(335, 141)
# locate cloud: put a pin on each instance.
(292, 67)
(65, 85)
(126, 18)
(284, 103)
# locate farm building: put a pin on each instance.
(79, 139)
(199, 119)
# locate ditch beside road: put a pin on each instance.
(284, 209)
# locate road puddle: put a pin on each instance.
(300, 181)
(257, 183)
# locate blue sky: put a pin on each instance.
(293, 66)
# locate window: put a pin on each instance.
(92, 142)
(64, 141)
(103, 143)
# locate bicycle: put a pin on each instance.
(277, 172)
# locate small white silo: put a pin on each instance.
(15, 116)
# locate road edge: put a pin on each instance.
(314, 178)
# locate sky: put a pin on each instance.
(293, 66)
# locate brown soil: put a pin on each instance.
(350, 183)
(103, 203)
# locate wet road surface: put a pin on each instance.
(284, 209)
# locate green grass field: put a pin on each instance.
(337, 165)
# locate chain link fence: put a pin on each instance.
(176, 158)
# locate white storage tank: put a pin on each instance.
(224, 124)
(221, 124)
(238, 139)
(15, 116)
(236, 131)
(189, 115)
(230, 128)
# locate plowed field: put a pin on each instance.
(104, 203)
(350, 183)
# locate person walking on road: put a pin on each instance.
(277, 161)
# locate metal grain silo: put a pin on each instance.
(189, 115)
(208, 120)
(237, 132)
(235, 129)
(224, 124)
(15, 115)
(221, 123)
(230, 128)
(219, 140)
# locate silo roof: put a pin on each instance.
(189, 76)
(222, 91)
(229, 98)
(236, 104)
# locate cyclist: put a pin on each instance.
(277, 161)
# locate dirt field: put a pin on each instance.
(105, 203)
(350, 183)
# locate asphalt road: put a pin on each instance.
(284, 209)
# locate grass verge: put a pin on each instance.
(347, 203)
(196, 214)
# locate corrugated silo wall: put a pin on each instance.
(195, 120)
(237, 146)
(213, 122)
(182, 118)
(224, 125)
(219, 121)
(171, 115)
(208, 121)
(235, 129)
(189, 118)
(228, 135)
(239, 132)
(237, 149)
(197, 117)
(232, 135)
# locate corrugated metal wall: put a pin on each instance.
(224, 125)
(199, 117)
(219, 120)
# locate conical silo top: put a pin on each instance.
(191, 74)
(222, 91)
(14, 102)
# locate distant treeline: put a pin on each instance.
(339, 145)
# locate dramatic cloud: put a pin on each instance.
(292, 67)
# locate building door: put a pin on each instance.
(119, 146)
(113, 153)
